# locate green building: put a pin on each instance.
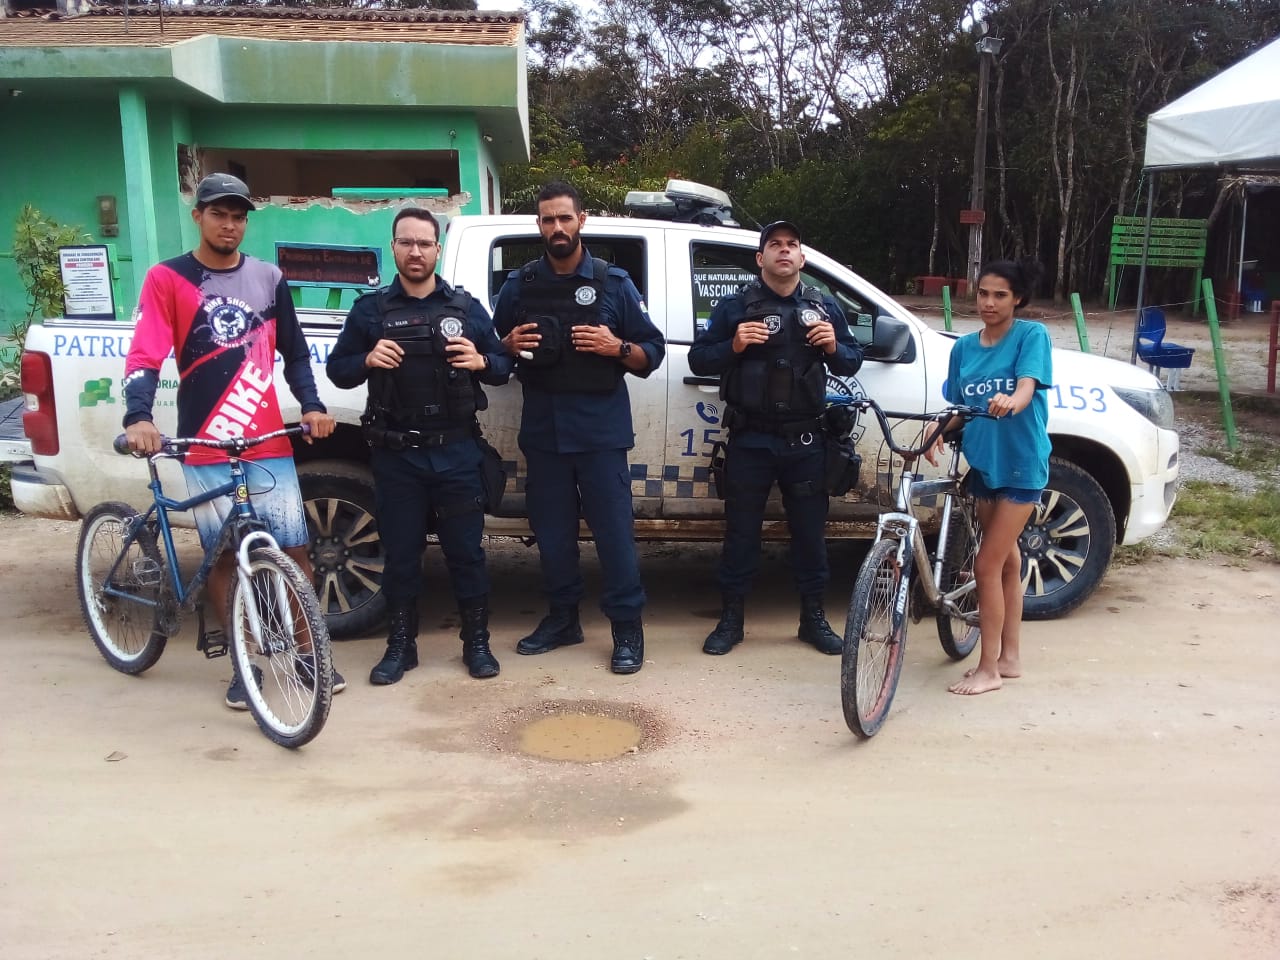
(110, 116)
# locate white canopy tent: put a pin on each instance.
(1231, 120)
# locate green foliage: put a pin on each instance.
(869, 107)
(36, 239)
(557, 156)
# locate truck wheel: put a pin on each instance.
(346, 549)
(1067, 544)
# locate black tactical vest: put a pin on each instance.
(556, 306)
(424, 393)
(784, 379)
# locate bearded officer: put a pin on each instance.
(772, 344)
(424, 347)
(578, 326)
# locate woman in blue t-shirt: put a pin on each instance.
(1007, 366)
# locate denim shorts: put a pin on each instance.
(273, 485)
(978, 487)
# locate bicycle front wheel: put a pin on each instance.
(875, 639)
(121, 612)
(280, 646)
(958, 581)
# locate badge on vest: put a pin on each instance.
(451, 327)
(585, 296)
(809, 317)
(772, 323)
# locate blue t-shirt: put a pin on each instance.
(1012, 451)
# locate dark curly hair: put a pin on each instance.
(1023, 276)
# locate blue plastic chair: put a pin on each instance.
(1158, 354)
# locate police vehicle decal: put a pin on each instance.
(1073, 397)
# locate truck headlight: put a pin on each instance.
(1156, 405)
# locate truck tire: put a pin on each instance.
(347, 555)
(1067, 544)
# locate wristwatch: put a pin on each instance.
(624, 350)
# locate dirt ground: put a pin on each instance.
(1120, 800)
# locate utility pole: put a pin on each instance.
(975, 216)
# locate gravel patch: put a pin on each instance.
(1195, 436)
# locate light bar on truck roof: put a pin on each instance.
(683, 201)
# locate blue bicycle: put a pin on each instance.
(133, 596)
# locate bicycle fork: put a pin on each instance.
(269, 645)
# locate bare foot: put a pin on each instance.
(1008, 669)
(977, 681)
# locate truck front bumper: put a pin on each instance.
(1152, 500)
(38, 495)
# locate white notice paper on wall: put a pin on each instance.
(86, 275)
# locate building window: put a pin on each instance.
(315, 173)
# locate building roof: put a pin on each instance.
(154, 25)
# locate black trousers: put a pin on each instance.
(408, 492)
(798, 470)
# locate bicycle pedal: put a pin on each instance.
(213, 644)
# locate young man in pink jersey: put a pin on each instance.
(225, 316)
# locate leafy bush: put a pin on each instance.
(36, 239)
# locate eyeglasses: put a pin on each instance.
(405, 244)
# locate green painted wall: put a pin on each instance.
(64, 137)
(69, 155)
(76, 154)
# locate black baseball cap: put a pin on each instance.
(216, 186)
(774, 227)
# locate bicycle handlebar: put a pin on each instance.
(940, 417)
(176, 445)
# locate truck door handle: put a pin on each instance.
(702, 381)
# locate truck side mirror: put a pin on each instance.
(891, 341)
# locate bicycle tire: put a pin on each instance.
(289, 690)
(957, 636)
(125, 633)
(875, 638)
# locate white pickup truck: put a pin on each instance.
(1112, 478)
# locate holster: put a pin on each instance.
(843, 461)
(493, 475)
(717, 469)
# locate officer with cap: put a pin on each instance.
(577, 325)
(772, 344)
(424, 347)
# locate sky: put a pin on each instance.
(515, 4)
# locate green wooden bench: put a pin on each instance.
(1174, 243)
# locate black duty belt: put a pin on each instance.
(792, 430)
(412, 439)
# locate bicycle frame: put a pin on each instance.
(241, 526)
(903, 525)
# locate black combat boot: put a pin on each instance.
(559, 628)
(402, 644)
(814, 628)
(728, 632)
(628, 646)
(480, 661)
